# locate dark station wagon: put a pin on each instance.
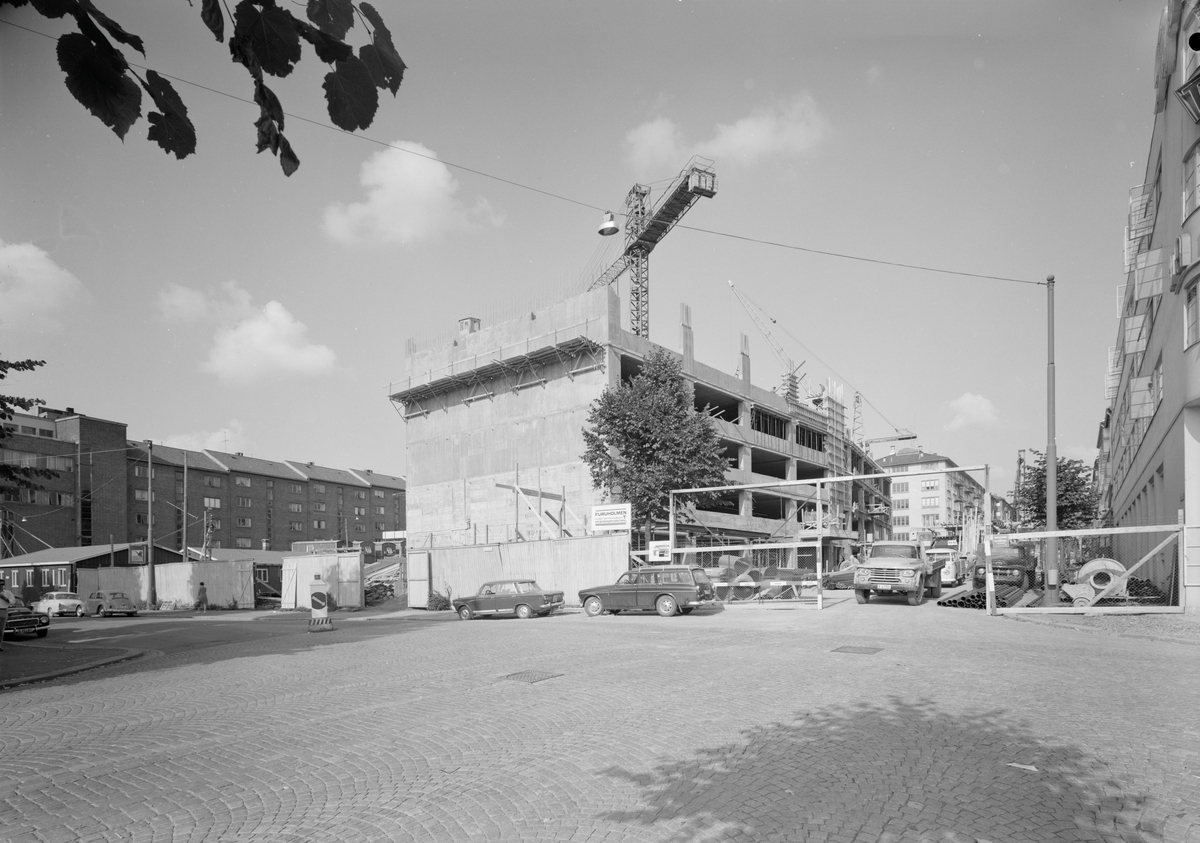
(666, 589)
(523, 598)
(23, 619)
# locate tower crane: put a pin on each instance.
(646, 226)
(900, 436)
(791, 382)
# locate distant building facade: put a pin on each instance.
(934, 499)
(109, 489)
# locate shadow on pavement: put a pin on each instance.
(891, 773)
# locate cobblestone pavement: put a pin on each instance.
(741, 725)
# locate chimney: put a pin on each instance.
(70, 411)
(893, 451)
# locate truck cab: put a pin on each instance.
(898, 567)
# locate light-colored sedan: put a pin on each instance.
(109, 603)
(59, 603)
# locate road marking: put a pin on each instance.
(126, 635)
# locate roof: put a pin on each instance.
(166, 455)
(51, 556)
(909, 456)
(243, 554)
(385, 481)
(324, 474)
(253, 465)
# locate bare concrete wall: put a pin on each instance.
(176, 583)
(568, 565)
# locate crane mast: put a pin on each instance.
(645, 227)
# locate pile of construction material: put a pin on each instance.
(1006, 597)
(377, 592)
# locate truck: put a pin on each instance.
(898, 567)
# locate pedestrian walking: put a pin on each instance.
(7, 598)
(202, 598)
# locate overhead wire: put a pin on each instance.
(571, 200)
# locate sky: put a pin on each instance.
(214, 303)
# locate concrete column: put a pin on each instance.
(745, 363)
(687, 344)
(1191, 508)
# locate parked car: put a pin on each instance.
(523, 598)
(1011, 565)
(666, 589)
(59, 603)
(24, 620)
(109, 603)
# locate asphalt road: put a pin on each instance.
(881, 723)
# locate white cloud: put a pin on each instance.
(33, 288)
(410, 196)
(177, 303)
(971, 410)
(271, 342)
(784, 129)
(231, 437)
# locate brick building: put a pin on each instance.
(106, 483)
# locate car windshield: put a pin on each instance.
(699, 576)
(65, 595)
(117, 595)
(894, 551)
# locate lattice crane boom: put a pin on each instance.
(645, 227)
(791, 382)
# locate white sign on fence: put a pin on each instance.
(617, 516)
(660, 552)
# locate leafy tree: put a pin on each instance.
(16, 477)
(646, 438)
(265, 40)
(1076, 494)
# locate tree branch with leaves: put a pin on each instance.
(15, 477)
(645, 438)
(1076, 496)
(265, 40)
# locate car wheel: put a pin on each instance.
(524, 612)
(42, 633)
(79, 612)
(935, 590)
(99, 611)
(917, 597)
(666, 606)
(465, 613)
(592, 607)
(862, 595)
(105, 613)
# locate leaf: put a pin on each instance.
(387, 68)
(334, 17)
(287, 158)
(271, 33)
(114, 28)
(271, 107)
(329, 49)
(54, 8)
(172, 130)
(96, 77)
(351, 95)
(16, 4)
(210, 13)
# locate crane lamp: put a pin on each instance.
(609, 226)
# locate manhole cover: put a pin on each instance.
(863, 651)
(531, 676)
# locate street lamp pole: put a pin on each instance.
(1050, 563)
(150, 520)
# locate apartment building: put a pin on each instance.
(934, 500)
(1148, 466)
(111, 489)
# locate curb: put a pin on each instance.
(128, 655)
(1094, 631)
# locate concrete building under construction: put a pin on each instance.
(495, 419)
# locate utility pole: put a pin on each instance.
(1050, 563)
(150, 520)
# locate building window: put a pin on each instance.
(242, 542)
(260, 574)
(360, 494)
(928, 502)
(142, 495)
(929, 485)
(318, 524)
(318, 506)
(1192, 323)
(295, 507)
(929, 520)
(295, 488)
(296, 526)
(142, 518)
(379, 510)
(242, 521)
(141, 471)
(380, 526)
(215, 523)
(899, 488)
(901, 537)
(212, 482)
(360, 510)
(242, 481)
(360, 528)
(212, 503)
(900, 521)
(377, 493)
(900, 504)
(242, 501)
(318, 488)
(899, 469)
